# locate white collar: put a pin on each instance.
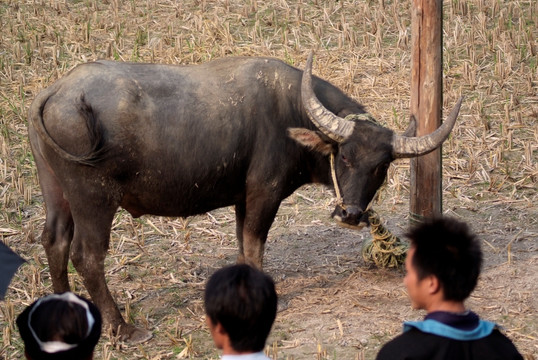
(252, 356)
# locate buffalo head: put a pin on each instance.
(360, 149)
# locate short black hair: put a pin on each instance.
(446, 247)
(66, 318)
(244, 301)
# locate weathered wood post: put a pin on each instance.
(426, 104)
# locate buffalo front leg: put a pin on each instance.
(89, 248)
(253, 222)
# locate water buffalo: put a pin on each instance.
(183, 140)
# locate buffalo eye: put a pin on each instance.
(345, 160)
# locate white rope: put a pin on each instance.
(339, 199)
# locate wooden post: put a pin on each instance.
(426, 104)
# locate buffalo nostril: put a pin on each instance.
(349, 214)
(352, 213)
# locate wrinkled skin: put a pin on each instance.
(183, 140)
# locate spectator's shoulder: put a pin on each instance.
(413, 343)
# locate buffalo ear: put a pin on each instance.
(310, 139)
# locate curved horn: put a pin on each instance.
(331, 125)
(411, 130)
(404, 147)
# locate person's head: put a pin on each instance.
(445, 253)
(242, 302)
(60, 326)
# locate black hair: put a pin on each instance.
(244, 301)
(57, 319)
(447, 249)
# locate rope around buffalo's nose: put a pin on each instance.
(384, 249)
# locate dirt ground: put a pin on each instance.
(333, 304)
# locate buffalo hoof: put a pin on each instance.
(133, 335)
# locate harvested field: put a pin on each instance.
(334, 305)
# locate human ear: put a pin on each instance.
(218, 333)
(434, 286)
(220, 329)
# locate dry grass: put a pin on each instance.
(157, 266)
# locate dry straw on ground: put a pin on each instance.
(334, 306)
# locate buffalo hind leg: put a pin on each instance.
(56, 239)
(58, 231)
(89, 249)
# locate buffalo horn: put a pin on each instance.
(405, 147)
(331, 125)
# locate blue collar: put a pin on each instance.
(435, 327)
